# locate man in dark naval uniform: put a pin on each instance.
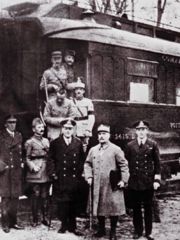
(144, 166)
(65, 166)
(11, 173)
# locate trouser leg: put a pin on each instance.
(148, 218)
(13, 211)
(35, 208)
(5, 202)
(138, 219)
(63, 213)
(101, 221)
(114, 220)
(72, 216)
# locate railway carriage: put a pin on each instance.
(128, 76)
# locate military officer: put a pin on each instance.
(144, 165)
(55, 77)
(37, 148)
(69, 58)
(85, 117)
(65, 166)
(55, 111)
(102, 159)
(11, 175)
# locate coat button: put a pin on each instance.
(12, 166)
(137, 168)
(74, 161)
(64, 168)
(64, 155)
(74, 175)
(64, 161)
(74, 168)
(64, 175)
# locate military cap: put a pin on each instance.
(70, 52)
(141, 124)
(103, 128)
(10, 118)
(56, 54)
(68, 122)
(79, 83)
(2, 166)
(36, 121)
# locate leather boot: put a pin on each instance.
(44, 209)
(113, 220)
(35, 207)
(101, 229)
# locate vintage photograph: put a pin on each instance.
(89, 119)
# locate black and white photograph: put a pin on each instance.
(89, 119)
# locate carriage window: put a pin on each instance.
(178, 96)
(142, 90)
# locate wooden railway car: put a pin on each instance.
(128, 76)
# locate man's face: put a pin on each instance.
(10, 126)
(69, 60)
(142, 132)
(60, 97)
(79, 92)
(103, 137)
(56, 61)
(67, 131)
(39, 129)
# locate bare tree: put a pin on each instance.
(160, 9)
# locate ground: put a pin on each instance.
(168, 229)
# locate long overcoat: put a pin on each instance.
(66, 162)
(98, 165)
(11, 155)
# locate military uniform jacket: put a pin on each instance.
(66, 161)
(83, 109)
(144, 163)
(54, 112)
(54, 77)
(11, 155)
(36, 155)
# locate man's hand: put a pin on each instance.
(36, 169)
(54, 176)
(120, 184)
(89, 181)
(88, 133)
(156, 185)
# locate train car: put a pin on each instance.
(128, 76)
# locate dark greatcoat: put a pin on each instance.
(66, 161)
(11, 155)
(144, 163)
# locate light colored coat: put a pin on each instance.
(98, 165)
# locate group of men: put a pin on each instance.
(62, 160)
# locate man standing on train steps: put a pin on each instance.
(84, 110)
(144, 166)
(55, 111)
(10, 173)
(54, 78)
(108, 199)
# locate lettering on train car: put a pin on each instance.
(171, 59)
(175, 125)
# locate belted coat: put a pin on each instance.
(98, 165)
(66, 162)
(144, 164)
(11, 155)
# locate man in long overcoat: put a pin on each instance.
(65, 166)
(11, 175)
(144, 166)
(101, 160)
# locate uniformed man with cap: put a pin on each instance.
(54, 78)
(69, 58)
(11, 175)
(102, 160)
(84, 109)
(144, 165)
(65, 166)
(37, 148)
(55, 111)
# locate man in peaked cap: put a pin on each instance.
(84, 115)
(65, 166)
(144, 165)
(101, 160)
(54, 78)
(55, 111)
(11, 177)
